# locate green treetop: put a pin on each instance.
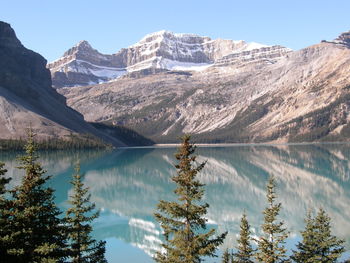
(318, 244)
(83, 248)
(37, 232)
(183, 222)
(271, 247)
(226, 257)
(245, 251)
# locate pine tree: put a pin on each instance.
(245, 251)
(271, 247)
(226, 257)
(37, 232)
(309, 244)
(83, 248)
(5, 204)
(318, 244)
(183, 222)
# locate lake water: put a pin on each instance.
(127, 185)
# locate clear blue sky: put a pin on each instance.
(52, 26)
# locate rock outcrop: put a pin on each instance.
(344, 38)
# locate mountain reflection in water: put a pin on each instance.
(127, 185)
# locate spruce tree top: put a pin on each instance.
(271, 246)
(37, 229)
(184, 222)
(83, 248)
(29, 160)
(245, 251)
(318, 244)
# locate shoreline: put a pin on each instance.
(203, 145)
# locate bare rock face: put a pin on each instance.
(20, 67)
(83, 65)
(27, 98)
(264, 54)
(344, 38)
(267, 94)
(156, 52)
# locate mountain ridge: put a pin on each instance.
(27, 98)
(295, 97)
(155, 52)
(169, 84)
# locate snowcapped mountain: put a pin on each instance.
(244, 94)
(160, 51)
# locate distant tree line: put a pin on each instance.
(125, 134)
(73, 141)
(32, 227)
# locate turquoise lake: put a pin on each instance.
(127, 184)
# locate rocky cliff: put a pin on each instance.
(156, 52)
(264, 95)
(27, 98)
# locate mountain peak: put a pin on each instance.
(8, 36)
(83, 44)
(81, 47)
(169, 35)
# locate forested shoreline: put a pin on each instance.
(71, 142)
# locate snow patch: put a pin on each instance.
(254, 45)
(144, 225)
(80, 66)
(186, 66)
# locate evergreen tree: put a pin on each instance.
(309, 244)
(36, 230)
(245, 251)
(271, 247)
(318, 244)
(5, 230)
(83, 248)
(227, 257)
(183, 222)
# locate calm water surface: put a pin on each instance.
(127, 185)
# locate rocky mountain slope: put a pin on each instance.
(157, 52)
(268, 94)
(27, 98)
